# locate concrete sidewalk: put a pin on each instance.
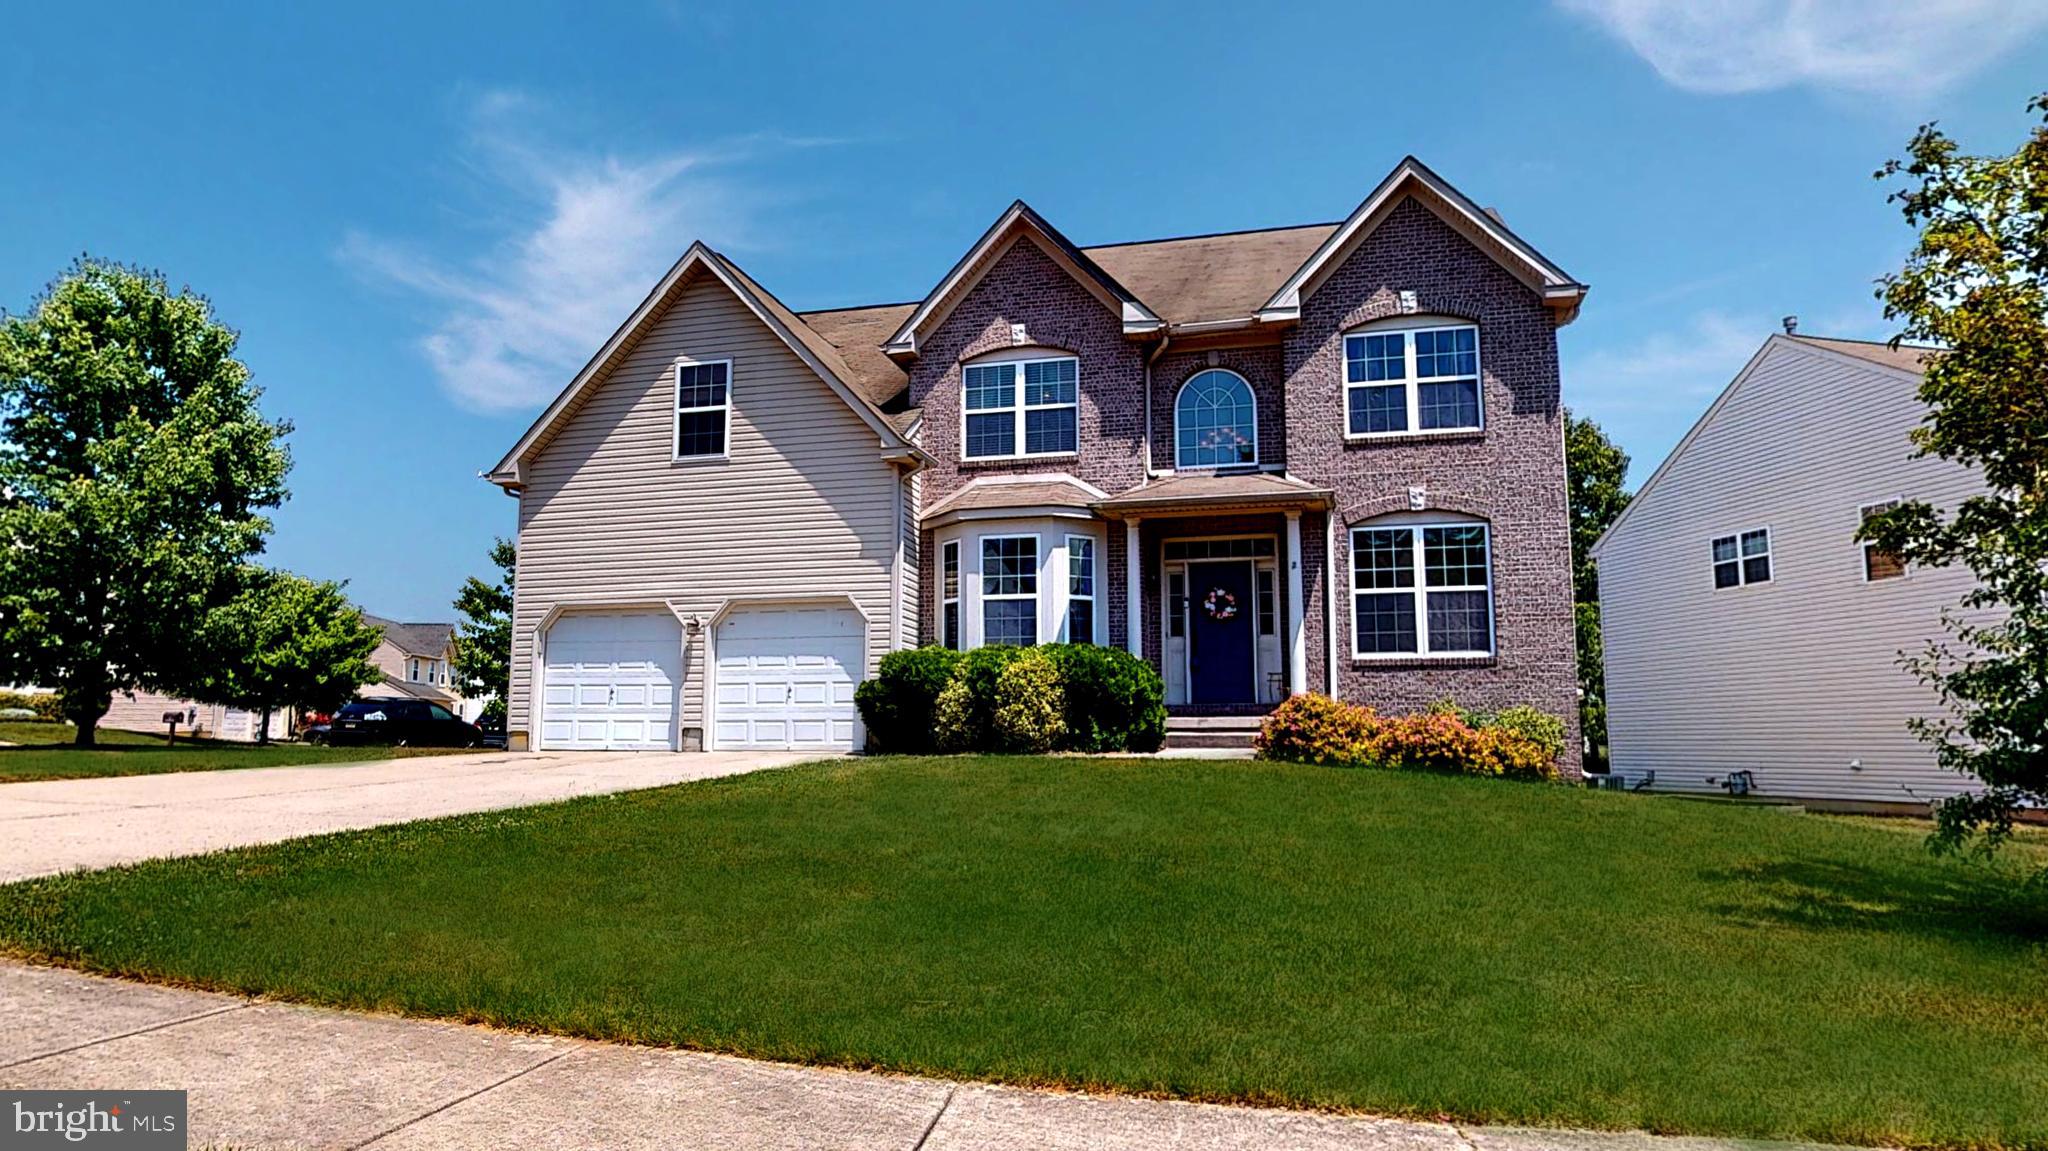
(266, 1075)
(50, 826)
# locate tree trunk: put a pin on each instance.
(263, 728)
(84, 715)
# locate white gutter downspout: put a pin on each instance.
(1145, 439)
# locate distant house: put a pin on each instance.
(418, 662)
(1747, 631)
(145, 711)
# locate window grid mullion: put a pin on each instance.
(1413, 388)
(1420, 571)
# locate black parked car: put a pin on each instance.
(400, 722)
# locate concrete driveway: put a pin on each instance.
(60, 825)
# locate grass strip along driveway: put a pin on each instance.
(1403, 944)
(44, 751)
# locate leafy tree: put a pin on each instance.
(1976, 284)
(284, 641)
(134, 469)
(1595, 470)
(483, 646)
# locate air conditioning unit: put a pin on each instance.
(1622, 781)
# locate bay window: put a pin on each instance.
(1009, 590)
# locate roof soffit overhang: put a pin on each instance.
(1020, 222)
(700, 259)
(1411, 177)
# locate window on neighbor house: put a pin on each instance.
(1215, 422)
(1080, 589)
(702, 408)
(1742, 559)
(1423, 590)
(412, 670)
(949, 595)
(1415, 379)
(1032, 405)
(1879, 564)
(1009, 590)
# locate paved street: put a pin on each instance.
(60, 825)
(267, 1075)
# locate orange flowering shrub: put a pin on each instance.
(1318, 729)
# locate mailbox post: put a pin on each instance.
(171, 721)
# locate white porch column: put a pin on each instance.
(1297, 635)
(1134, 590)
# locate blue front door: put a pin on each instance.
(1220, 659)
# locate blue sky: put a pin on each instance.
(424, 221)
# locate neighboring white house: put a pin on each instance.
(1746, 630)
(145, 711)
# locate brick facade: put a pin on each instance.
(1511, 474)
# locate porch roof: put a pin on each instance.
(1196, 493)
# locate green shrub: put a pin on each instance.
(1114, 700)
(1029, 704)
(897, 706)
(44, 704)
(1317, 729)
(953, 726)
(1539, 727)
(981, 668)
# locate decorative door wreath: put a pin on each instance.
(1220, 604)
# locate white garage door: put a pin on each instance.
(785, 678)
(610, 681)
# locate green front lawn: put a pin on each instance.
(1417, 945)
(44, 751)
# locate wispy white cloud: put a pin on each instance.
(1909, 47)
(577, 239)
(1668, 371)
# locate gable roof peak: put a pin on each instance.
(1485, 228)
(968, 270)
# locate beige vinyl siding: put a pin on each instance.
(803, 505)
(1795, 678)
(913, 507)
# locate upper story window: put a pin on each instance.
(1216, 423)
(703, 414)
(1879, 564)
(1419, 377)
(1021, 408)
(1743, 559)
(1422, 589)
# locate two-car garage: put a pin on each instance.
(782, 677)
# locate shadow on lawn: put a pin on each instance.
(1979, 904)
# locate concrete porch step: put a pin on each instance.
(1211, 731)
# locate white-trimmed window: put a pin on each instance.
(1020, 408)
(703, 410)
(1879, 564)
(1009, 590)
(1418, 377)
(949, 594)
(1215, 421)
(1740, 560)
(1421, 590)
(412, 670)
(1080, 589)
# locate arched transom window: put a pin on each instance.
(1215, 422)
